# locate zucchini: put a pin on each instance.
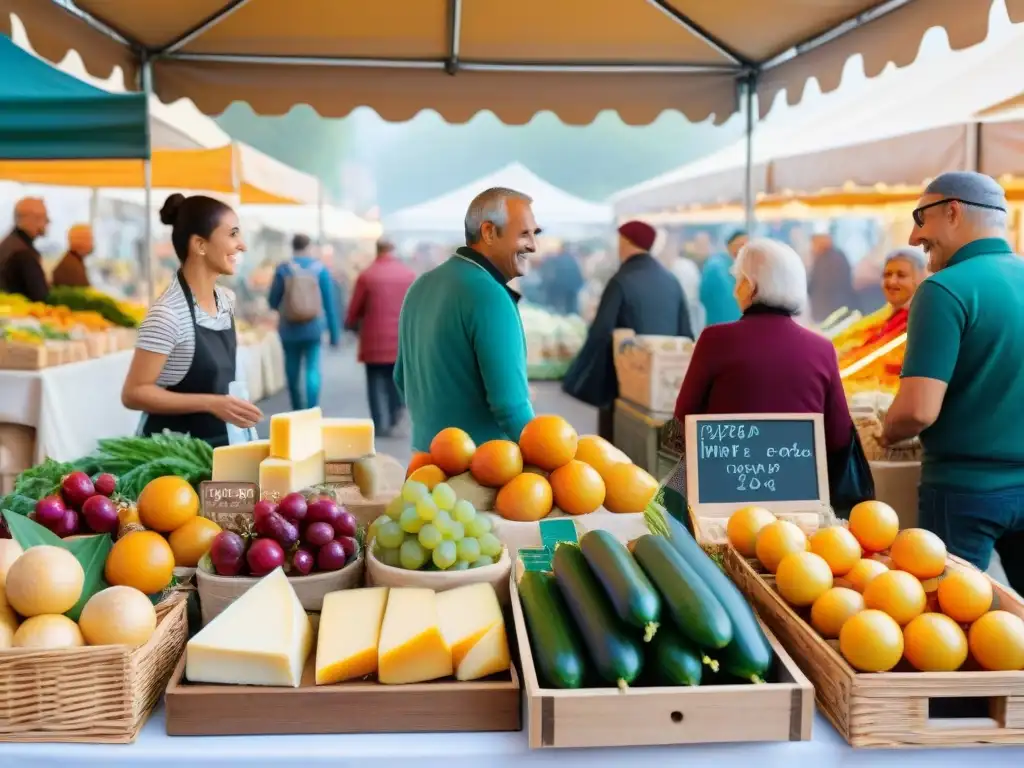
(749, 655)
(617, 655)
(634, 598)
(554, 640)
(688, 600)
(674, 659)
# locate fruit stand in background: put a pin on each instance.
(552, 341)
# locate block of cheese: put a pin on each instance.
(366, 476)
(350, 622)
(239, 463)
(279, 477)
(466, 614)
(263, 638)
(347, 438)
(488, 657)
(296, 435)
(412, 648)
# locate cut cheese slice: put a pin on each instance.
(279, 477)
(412, 648)
(366, 475)
(296, 435)
(347, 439)
(263, 638)
(350, 622)
(488, 657)
(239, 463)
(467, 614)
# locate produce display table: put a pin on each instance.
(154, 749)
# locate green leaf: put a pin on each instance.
(16, 502)
(91, 552)
(29, 533)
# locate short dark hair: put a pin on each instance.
(735, 235)
(187, 216)
(300, 243)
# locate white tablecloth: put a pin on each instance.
(154, 749)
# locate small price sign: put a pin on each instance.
(552, 533)
(230, 505)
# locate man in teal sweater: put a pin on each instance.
(718, 283)
(461, 346)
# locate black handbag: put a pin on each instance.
(849, 478)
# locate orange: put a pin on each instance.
(548, 442)
(193, 540)
(743, 527)
(776, 540)
(526, 499)
(167, 503)
(996, 641)
(430, 475)
(934, 643)
(577, 487)
(419, 459)
(803, 577)
(628, 488)
(496, 462)
(452, 450)
(965, 596)
(838, 547)
(896, 593)
(833, 609)
(871, 641)
(140, 559)
(875, 524)
(599, 453)
(919, 552)
(864, 571)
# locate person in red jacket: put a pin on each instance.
(374, 311)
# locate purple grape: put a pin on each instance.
(331, 556)
(228, 553)
(69, 526)
(284, 533)
(105, 484)
(350, 546)
(322, 511)
(264, 555)
(303, 561)
(100, 514)
(293, 507)
(262, 509)
(345, 524)
(50, 512)
(318, 534)
(76, 488)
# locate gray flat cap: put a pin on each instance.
(969, 186)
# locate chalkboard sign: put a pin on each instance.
(230, 505)
(772, 460)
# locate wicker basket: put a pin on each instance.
(99, 694)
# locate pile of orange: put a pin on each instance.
(886, 595)
(550, 467)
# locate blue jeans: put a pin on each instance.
(973, 524)
(385, 401)
(302, 360)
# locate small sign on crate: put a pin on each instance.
(229, 505)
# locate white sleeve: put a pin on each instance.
(159, 332)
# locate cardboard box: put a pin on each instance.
(651, 369)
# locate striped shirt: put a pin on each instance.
(168, 330)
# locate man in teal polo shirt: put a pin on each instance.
(962, 386)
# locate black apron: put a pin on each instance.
(211, 372)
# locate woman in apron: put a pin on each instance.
(185, 355)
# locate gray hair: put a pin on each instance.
(776, 271)
(490, 205)
(985, 218)
(914, 256)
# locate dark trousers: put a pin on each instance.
(385, 401)
(973, 524)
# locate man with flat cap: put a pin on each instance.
(642, 296)
(962, 386)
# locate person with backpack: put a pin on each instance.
(304, 298)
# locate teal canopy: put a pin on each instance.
(46, 114)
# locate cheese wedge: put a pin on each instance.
(347, 439)
(366, 476)
(467, 614)
(239, 463)
(350, 623)
(279, 477)
(296, 435)
(412, 648)
(263, 638)
(488, 657)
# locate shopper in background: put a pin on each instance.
(461, 346)
(830, 283)
(642, 296)
(304, 298)
(962, 387)
(21, 266)
(718, 284)
(70, 271)
(374, 312)
(687, 273)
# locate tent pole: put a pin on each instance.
(147, 170)
(750, 87)
(320, 235)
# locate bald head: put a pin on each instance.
(80, 239)
(30, 216)
(956, 209)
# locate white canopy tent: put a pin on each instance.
(337, 223)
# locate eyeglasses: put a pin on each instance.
(918, 213)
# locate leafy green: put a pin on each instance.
(42, 480)
(18, 503)
(91, 552)
(28, 533)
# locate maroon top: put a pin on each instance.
(766, 363)
(375, 307)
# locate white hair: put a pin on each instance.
(490, 205)
(985, 218)
(776, 272)
(913, 256)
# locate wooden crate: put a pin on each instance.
(607, 717)
(894, 709)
